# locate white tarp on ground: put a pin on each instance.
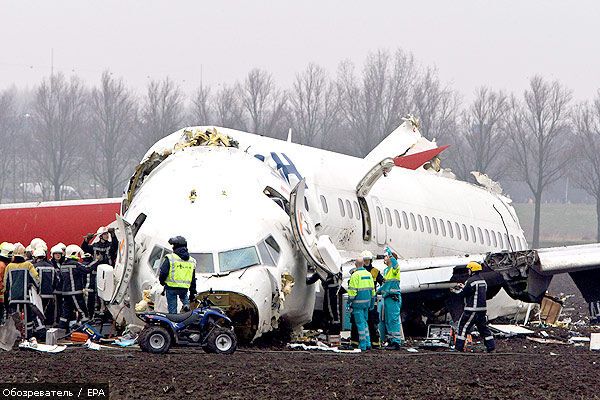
(512, 329)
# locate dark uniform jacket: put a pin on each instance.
(376, 274)
(49, 278)
(475, 292)
(91, 278)
(103, 251)
(72, 277)
(18, 277)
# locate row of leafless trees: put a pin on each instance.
(68, 139)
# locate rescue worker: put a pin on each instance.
(49, 282)
(392, 301)
(57, 257)
(6, 253)
(331, 305)
(90, 286)
(361, 298)
(474, 291)
(73, 279)
(105, 248)
(19, 276)
(178, 275)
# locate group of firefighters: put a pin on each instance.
(64, 278)
(367, 282)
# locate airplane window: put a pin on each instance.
(405, 219)
(273, 248)
(356, 210)
(388, 216)
(487, 237)
(324, 204)
(465, 232)
(265, 255)
(413, 222)
(450, 232)
(204, 263)
(421, 227)
(480, 234)
(341, 204)
(494, 242)
(500, 240)
(457, 227)
(397, 216)
(428, 224)
(156, 257)
(473, 237)
(349, 209)
(443, 227)
(435, 226)
(520, 244)
(506, 241)
(512, 241)
(379, 215)
(232, 260)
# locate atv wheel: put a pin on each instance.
(221, 341)
(155, 339)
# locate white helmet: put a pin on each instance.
(29, 249)
(366, 255)
(19, 250)
(74, 251)
(62, 246)
(102, 230)
(57, 249)
(6, 249)
(39, 252)
(37, 242)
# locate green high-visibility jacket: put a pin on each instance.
(391, 283)
(180, 272)
(361, 289)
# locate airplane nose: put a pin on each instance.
(248, 296)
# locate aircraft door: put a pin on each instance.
(318, 251)
(379, 218)
(125, 259)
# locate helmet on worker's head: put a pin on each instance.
(178, 241)
(29, 249)
(6, 249)
(39, 252)
(102, 230)
(87, 257)
(57, 249)
(74, 252)
(19, 250)
(474, 266)
(366, 255)
(38, 243)
(62, 246)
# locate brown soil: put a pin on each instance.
(520, 369)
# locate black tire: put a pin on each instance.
(155, 339)
(221, 341)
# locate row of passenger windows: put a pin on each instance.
(433, 225)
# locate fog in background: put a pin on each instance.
(86, 88)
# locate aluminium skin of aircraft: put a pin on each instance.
(262, 214)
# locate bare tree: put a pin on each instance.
(228, 110)
(8, 130)
(481, 135)
(112, 111)
(586, 121)
(537, 128)
(202, 110)
(162, 112)
(262, 101)
(313, 106)
(59, 116)
(372, 106)
(435, 105)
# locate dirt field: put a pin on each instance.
(520, 369)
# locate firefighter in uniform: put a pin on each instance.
(104, 250)
(361, 299)
(331, 305)
(6, 253)
(474, 291)
(57, 257)
(178, 275)
(392, 301)
(90, 284)
(73, 279)
(19, 276)
(49, 283)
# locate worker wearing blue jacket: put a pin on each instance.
(392, 301)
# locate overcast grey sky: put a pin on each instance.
(496, 43)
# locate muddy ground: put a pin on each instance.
(520, 369)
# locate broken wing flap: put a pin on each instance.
(318, 251)
(113, 282)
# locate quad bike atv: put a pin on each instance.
(206, 326)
